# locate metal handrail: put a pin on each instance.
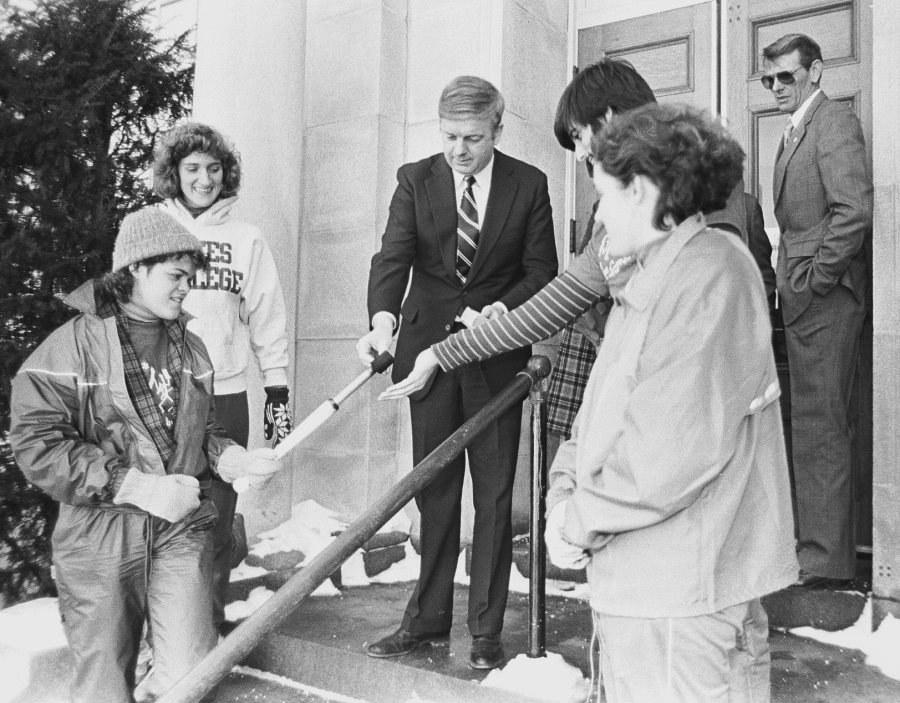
(241, 641)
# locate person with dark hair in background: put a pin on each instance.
(822, 190)
(237, 303)
(673, 491)
(113, 416)
(474, 229)
(599, 91)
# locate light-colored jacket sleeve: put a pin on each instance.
(705, 354)
(562, 473)
(47, 397)
(263, 310)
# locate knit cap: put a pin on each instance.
(150, 232)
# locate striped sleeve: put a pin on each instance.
(545, 313)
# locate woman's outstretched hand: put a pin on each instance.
(426, 365)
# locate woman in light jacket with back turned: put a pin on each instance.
(673, 490)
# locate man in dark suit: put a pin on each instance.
(475, 228)
(823, 204)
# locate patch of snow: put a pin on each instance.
(310, 529)
(326, 589)
(241, 609)
(27, 630)
(883, 647)
(402, 571)
(353, 571)
(242, 572)
(33, 626)
(880, 647)
(548, 678)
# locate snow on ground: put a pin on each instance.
(881, 647)
(27, 630)
(310, 529)
(243, 572)
(548, 678)
(35, 626)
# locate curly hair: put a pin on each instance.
(118, 285)
(689, 156)
(185, 139)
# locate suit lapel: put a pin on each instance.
(500, 200)
(441, 192)
(785, 154)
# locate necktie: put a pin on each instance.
(788, 128)
(466, 231)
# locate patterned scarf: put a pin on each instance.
(138, 389)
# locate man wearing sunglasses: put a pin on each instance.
(823, 204)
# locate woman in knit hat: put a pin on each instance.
(112, 416)
(237, 303)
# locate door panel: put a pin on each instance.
(671, 50)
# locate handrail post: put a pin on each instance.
(537, 585)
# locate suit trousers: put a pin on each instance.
(721, 657)
(822, 349)
(454, 398)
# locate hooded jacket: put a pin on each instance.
(237, 304)
(74, 429)
(676, 475)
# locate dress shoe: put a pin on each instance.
(811, 582)
(487, 652)
(403, 642)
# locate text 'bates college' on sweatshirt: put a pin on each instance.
(237, 304)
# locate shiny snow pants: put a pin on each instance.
(115, 568)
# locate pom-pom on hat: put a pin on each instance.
(150, 232)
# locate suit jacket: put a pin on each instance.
(516, 254)
(823, 204)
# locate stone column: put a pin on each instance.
(355, 115)
(249, 84)
(886, 312)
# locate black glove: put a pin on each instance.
(276, 417)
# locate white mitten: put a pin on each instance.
(257, 466)
(262, 465)
(562, 552)
(171, 497)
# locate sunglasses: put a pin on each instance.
(784, 77)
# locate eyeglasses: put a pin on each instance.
(784, 77)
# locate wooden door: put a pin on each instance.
(844, 31)
(672, 50)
